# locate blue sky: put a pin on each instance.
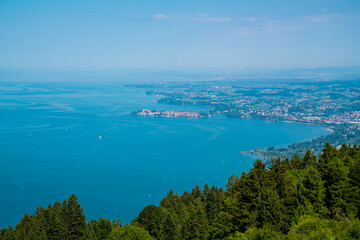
(175, 35)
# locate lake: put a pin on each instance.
(62, 138)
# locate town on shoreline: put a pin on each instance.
(333, 104)
(168, 113)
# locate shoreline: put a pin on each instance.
(333, 133)
(288, 121)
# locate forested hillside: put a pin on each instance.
(314, 197)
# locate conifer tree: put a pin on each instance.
(285, 189)
(196, 192)
(169, 231)
(231, 185)
(196, 226)
(314, 191)
(213, 203)
(24, 227)
(186, 198)
(151, 218)
(327, 155)
(75, 219)
(175, 206)
(8, 234)
(337, 186)
(256, 202)
(296, 161)
(308, 159)
(57, 222)
(353, 194)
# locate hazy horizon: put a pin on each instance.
(161, 35)
(187, 75)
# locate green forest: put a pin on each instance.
(310, 197)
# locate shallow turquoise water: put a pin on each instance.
(50, 148)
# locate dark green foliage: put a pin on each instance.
(151, 218)
(312, 228)
(129, 232)
(300, 198)
(174, 205)
(196, 225)
(169, 230)
(309, 159)
(196, 192)
(296, 161)
(313, 192)
(354, 230)
(286, 190)
(75, 219)
(214, 198)
(354, 181)
(252, 200)
(7, 234)
(186, 198)
(256, 201)
(329, 154)
(266, 233)
(335, 174)
(102, 228)
(58, 221)
(231, 185)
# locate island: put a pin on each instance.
(168, 113)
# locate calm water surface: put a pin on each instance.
(50, 147)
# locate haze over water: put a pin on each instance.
(50, 147)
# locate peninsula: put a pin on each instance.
(165, 113)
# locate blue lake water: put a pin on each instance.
(50, 147)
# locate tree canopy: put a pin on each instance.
(298, 198)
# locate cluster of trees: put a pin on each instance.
(297, 198)
(342, 133)
(67, 221)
